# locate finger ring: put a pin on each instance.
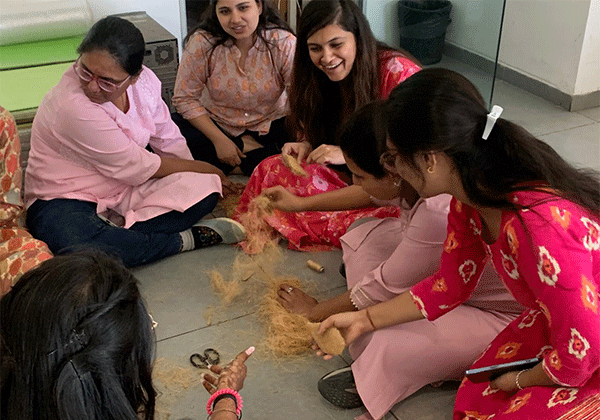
(289, 289)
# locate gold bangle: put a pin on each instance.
(370, 319)
(519, 387)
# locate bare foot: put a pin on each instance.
(295, 300)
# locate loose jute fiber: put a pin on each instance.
(254, 279)
(259, 234)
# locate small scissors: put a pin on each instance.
(209, 358)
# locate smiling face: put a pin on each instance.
(239, 18)
(333, 51)
(102, 65)
(380, 188)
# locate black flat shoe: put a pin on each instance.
(338, 387)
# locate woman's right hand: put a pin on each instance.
(282, 199)
(351, 325)
(228, 152)
(231, 376)
(300, 148)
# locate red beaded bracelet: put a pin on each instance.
(238, 399)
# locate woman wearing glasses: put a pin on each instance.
(383, 258)
(518, 204)
(90, 178)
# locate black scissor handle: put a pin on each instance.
(212, 356)
(198, 361)
(204, 361)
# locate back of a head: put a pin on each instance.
(120, 38)
(439, 110)
(362, 138)
(87, 348)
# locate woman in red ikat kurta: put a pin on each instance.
(538, 218)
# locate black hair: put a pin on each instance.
(76, 343)
(120, 38)
(440, 110)
(209, 22)
(362, 138)
(316, 103)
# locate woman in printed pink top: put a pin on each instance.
(90, 179)
(519, 204)
(231, 87)
(339, 66)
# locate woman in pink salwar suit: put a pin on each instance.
(90, 179)
(383, 258)
(515, 203)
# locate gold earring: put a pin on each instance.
(397, 182)
(430, 169)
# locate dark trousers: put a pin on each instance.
(66, 225)
(203, 149)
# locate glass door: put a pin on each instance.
(469, 44)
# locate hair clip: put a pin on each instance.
(491, 120)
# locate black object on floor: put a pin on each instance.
(339, 389)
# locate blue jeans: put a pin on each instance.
(66, 225)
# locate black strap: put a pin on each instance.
(220, 397)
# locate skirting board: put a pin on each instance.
(541, 89)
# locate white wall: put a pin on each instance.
(543, 39)
(383, 20)
(165, 12)
(475, 26)
(588, 77)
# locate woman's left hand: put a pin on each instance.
(326, 153)
(295, 300)
(506, 382)
(228, 186)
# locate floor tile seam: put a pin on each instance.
(567, 129)
(205, 327)
(250, 312)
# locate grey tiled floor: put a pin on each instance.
(178, 291)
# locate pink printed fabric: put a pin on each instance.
(553, 268)
(94, 152)
(310, 230)
(19, 251)
(393, 70)
(236, 98)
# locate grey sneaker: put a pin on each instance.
(228, 229)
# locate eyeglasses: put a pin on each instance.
(103, 84)
(388, 160)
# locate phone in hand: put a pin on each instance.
(489, 373)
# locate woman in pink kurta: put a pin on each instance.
(231, 86)
(537, 218)
(90, 178)
(385, 257)
(339, 66)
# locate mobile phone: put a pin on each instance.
(489, 373)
